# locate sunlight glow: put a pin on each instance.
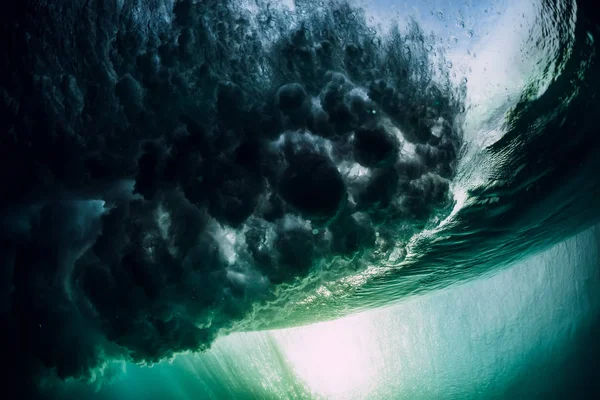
(335, 359)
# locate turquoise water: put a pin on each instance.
(300, 199)
(510, 335)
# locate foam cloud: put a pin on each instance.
(185, 160)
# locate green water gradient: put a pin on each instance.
(516, 334)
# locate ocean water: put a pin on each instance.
(300, 199)
(529, 332)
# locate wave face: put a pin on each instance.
(179, 170)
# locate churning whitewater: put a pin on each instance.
(187, 169)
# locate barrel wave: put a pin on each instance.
(178, 171)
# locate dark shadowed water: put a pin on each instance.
(176, 171)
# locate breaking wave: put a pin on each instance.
(175, 171)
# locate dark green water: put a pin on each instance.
(528, 332)
(182, 177)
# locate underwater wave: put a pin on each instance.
(178, 170)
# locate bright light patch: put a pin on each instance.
(506, 334)
(337, 358)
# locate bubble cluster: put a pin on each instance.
(260, 145)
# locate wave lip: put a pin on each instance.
(281, 167)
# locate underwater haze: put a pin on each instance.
(255, 199)
(529, 332)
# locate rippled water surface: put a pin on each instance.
(180, 171)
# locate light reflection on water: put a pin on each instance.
(469, 342)
(484, 334)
